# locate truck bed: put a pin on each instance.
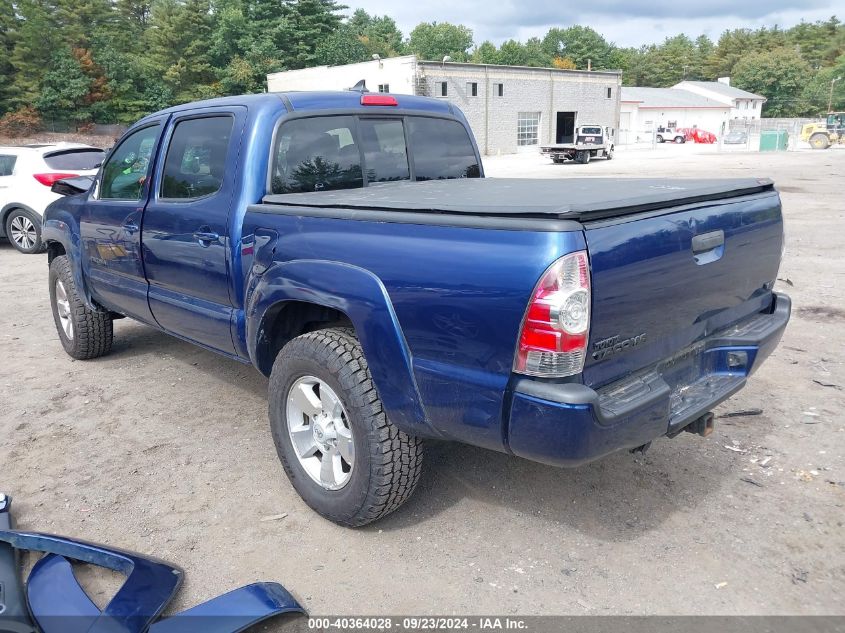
(565, 199)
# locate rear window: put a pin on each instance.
(441, 149)
(591, 130)
(75, 159)
(7, 164)
(317, 154)
(347, 152)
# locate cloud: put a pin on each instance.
(626, 22)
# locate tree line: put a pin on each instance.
(112, 61)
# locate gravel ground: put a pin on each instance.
(164, 448)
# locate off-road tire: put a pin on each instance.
(92, 330)
(659, 138)
(680, 140)
(388, 462)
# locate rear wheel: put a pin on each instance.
(680, 139)
(341, 453)
(84, 333)
(24, 231)
(582, 157)
(819, 141)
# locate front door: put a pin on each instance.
(111, 224)
(185, 237)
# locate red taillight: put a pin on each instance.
(378, 100)
(553, 340)
(49, 179)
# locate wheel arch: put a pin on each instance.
(11, 206)
(291, 298)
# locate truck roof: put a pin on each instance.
(313, 101)
(571, 198)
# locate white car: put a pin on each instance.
(26, 175)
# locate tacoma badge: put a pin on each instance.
(610, 346)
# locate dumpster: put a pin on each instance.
(774, 140)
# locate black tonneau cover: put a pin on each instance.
(562, 198)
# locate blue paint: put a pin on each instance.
(438, 309)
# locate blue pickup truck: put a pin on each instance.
(347, 245)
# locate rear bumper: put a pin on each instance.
(568, 424)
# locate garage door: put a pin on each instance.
(527, 131)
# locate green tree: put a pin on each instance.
(485, 53)
(378, 34)
(65, 89)
(79, 21)
(304, 25)
(582, 45)
(343, 46)
(779, 75)
(135, 87)
(434, 40)
(817, 93)
(30, 57)
(731, 47)
(178, 39)
(8, 28)
(673, 61)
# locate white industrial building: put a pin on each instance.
(510, 108)
(646, 109)
(743, 104)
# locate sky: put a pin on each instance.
(624, 22)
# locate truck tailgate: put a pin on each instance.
(662, 280)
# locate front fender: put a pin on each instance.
(361, 296)
(62, 226)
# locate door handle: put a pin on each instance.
(206, 238)
(707, 241)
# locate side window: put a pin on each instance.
(127, 169)
(316, 154)
(7, 164)
(196, 158)
(441, 149)
(383, 141)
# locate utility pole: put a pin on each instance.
(830, 98)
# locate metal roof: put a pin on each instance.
(668, 98)
(723, 89)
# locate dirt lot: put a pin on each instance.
(164, 448)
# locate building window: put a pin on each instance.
(527, 128)
(609, 93)
(384, 87)
(472, 89)
(444, 89)
(499, 90)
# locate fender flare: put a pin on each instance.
(62, 227)
(361, 296)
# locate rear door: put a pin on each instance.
(185, 235)
(111, 224)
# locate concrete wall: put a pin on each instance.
(494, 119)
(398, 72)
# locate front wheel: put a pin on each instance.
(24, 231)
(609, 153)
(659, 138)
(343, 456)
(84, 333)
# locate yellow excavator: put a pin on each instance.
(825, 133)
